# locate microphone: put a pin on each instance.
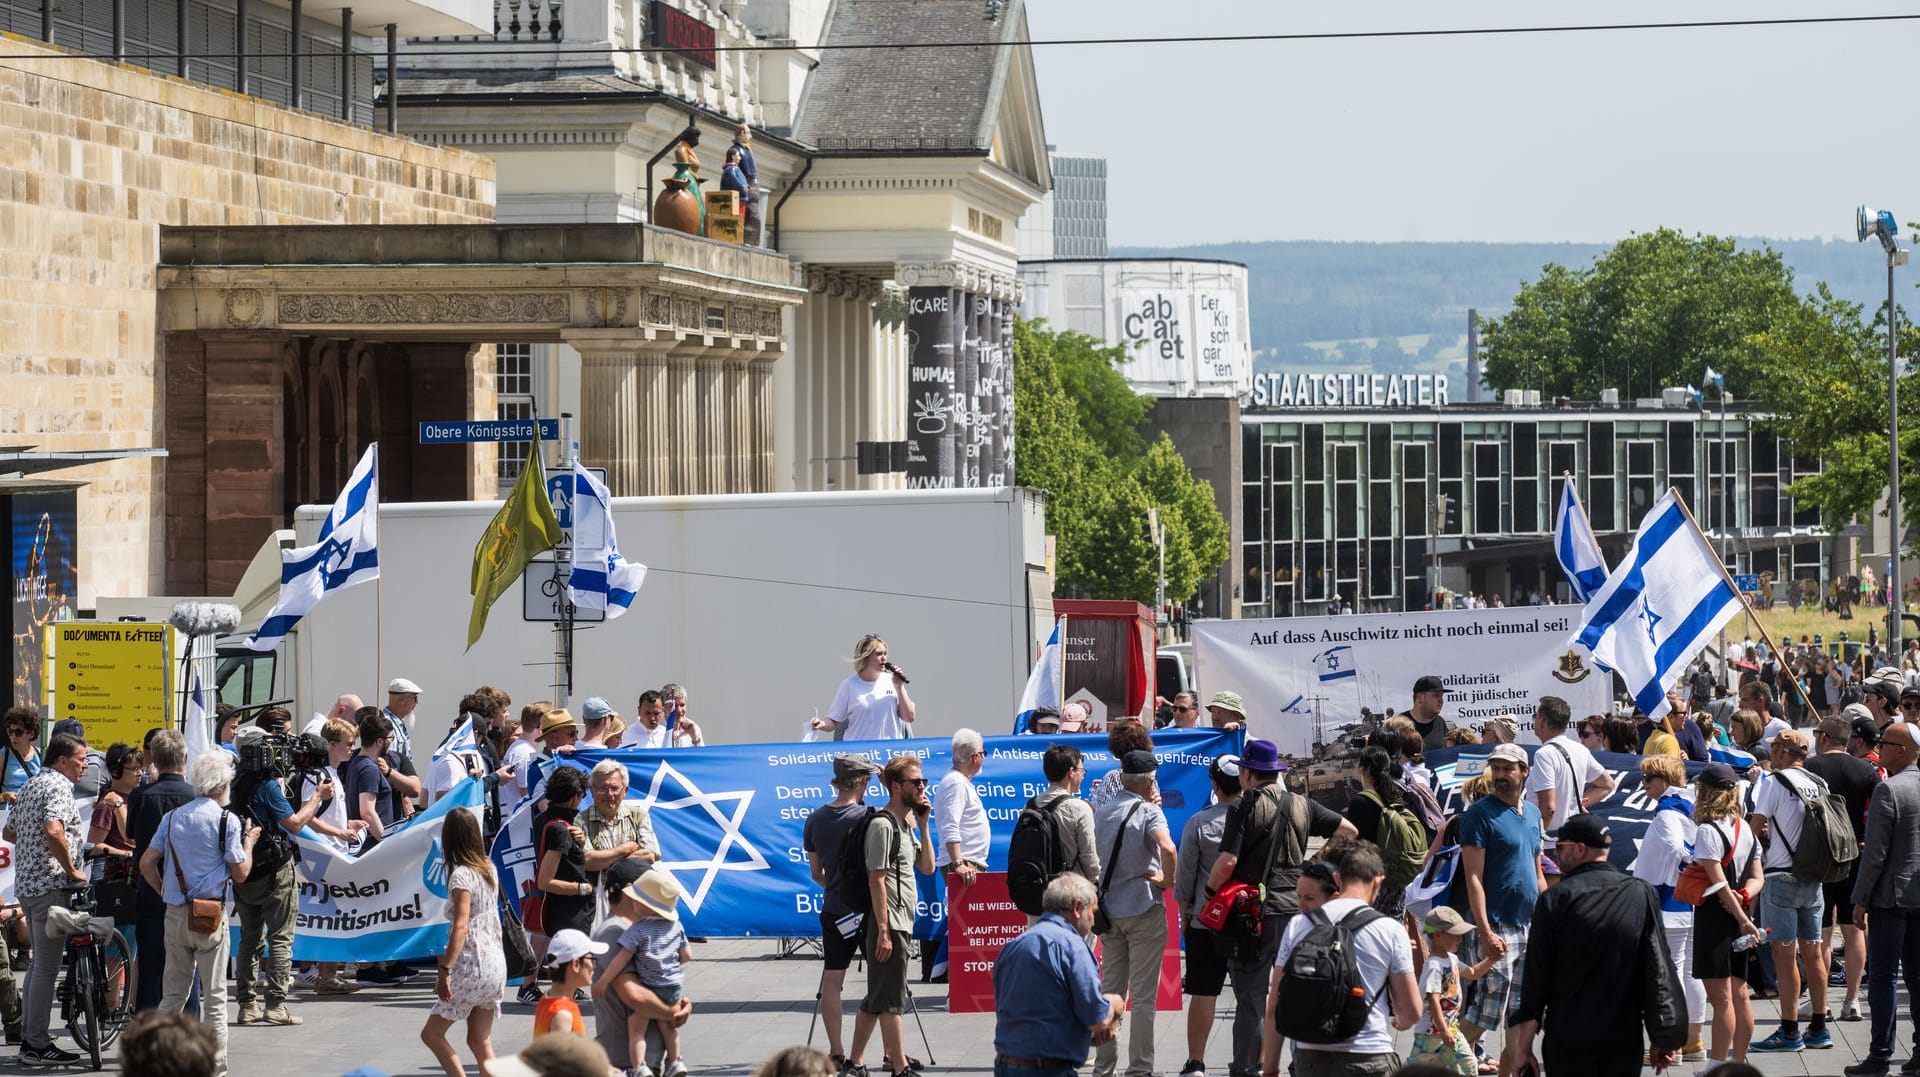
(205, 618)
(891, 668)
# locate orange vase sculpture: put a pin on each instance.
(677, 207)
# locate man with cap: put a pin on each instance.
(1910, 703)
(595, 713)
(617, 998)
(1854, 779)
(1045, 721)
(1265, 813)
(1498, 880)
(1598, 971)
(558, 732)
(1207, 952)
(1886, 898)
(1138, 866)
(1881, 694)
(1865, 741)
(403, 698)
(1429, 695)
(822, 839)
(1226, 710)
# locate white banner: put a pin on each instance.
(388, 903)
(1156, 331)
(1296, 671)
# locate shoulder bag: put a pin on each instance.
(205, 916)
(1102, 923)
(1693, 887)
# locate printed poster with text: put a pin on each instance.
(1313, 679)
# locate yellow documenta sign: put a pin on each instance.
(112, 675)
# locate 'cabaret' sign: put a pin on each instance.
(1272, 390)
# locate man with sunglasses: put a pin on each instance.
(1186, 710)
(897, 844)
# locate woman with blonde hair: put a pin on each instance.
(869, 706)
(1725, 847)
(1666, 849)
(473, 971)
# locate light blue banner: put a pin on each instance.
(729, 819)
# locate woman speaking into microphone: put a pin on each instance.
(872, 703)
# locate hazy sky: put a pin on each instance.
(1777, 131)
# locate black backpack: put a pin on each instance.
(851, 888)
(276, 846)
(1035, 854)
(1323, 998)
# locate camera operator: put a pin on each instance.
(266, 899)
(870, 706)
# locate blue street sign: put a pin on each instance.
(560, 492)
(1747, 582)
(450, 433)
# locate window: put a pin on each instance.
(1526, 450)
(1487, 503)
(513, 384)
(1642, 484)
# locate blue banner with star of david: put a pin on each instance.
(729, 820)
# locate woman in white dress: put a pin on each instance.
(473, 971)
(870, 706)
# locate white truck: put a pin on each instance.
(753, 602)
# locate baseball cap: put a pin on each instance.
(71, 727)
(1428, 683)
(561, 1054)
(848, 767)
(1912, 690)
(402, 686)
(1444, 921)
(596, 709)
(1586, 829)
(570, 945)
(1045, 716)
(1854, 712)
(623, 873)
(1886, 689)
(1715, 776)
(1139, 761)
(1512, 753)
(1867, 730)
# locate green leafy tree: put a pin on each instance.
(1076, 431)
(1654, 311)
(1823, 375)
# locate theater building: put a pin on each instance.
(1378, 489)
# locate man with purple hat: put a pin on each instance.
(1265, 833)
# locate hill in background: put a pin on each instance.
(1402, 307)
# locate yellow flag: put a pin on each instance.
(523, 528)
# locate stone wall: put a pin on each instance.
(94, 157)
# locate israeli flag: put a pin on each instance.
(463, 740)
(1731, 756)
(1659, 607)
(1043, 684)
(199, 726)
(600, 579)
(1575, 546)
(1335, 664)
(346, 553)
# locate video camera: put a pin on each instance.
(261, 752)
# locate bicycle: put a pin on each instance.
(97, 993)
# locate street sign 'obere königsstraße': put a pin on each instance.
(487, 430)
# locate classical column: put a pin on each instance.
(711, 464)
(623, 409)
(930, 435)
(683, 417)
(739, 445)
(760, 417)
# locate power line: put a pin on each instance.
(1188, 39)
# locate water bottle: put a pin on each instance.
(1747, 942)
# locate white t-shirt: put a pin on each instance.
(869, 709)
(639, 736)
(1383, 950)
(1773, 727)
(959, 817)
(1710, 846)
(519, 754)
(445, 772)
(1786, 814)
(1550, 771)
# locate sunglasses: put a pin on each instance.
(1183, 710)
(917, 783)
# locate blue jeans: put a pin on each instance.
(1893, 948)
(1001, 1069)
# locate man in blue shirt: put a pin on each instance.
(1498, 882)
(199, 852)
(1049, 1011)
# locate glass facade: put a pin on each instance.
(1375, 507)
(1079, 206)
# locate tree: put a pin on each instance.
(1655, 311)
(1823, 375)
(1076, 442)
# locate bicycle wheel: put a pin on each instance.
(117, 987)
(86, 1002)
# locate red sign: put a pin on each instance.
(981, 919)
(675, 29)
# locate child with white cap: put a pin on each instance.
(569, 960)
(653, 949)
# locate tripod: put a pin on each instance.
(913, 1007)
